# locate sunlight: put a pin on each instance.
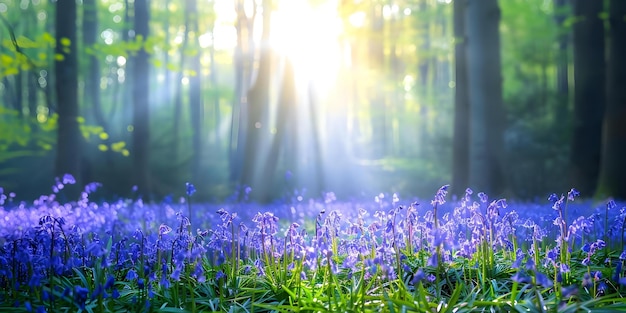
(309, 40)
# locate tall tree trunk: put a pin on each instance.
(195, 95)
(257, 107)
(562, 61)
(215, 95)
(284, 139)
(91, 94)
(613, 170)
(485, 95)
(178, 94)
(244, 60)
(68, 154)
(375, 61)
(92, 80)
(141, 104)
(460, 148)
(589, 96)
(167, 73)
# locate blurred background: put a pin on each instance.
(273, 99)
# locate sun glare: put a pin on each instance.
(308, 36)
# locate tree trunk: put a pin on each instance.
(613, 171)
(258, 105)
(68, 154)
(375, 62)
(589, 96)
(285, 138)
(485, 95)
(141, 108)
(562, 61)
(460, 148)
(92, 80)
(195, 96)
(244, 59)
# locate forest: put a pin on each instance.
(265, 100)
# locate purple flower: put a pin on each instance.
(175, 274)
(483, 197)
(587, 282)
(110, 282)
(164, 229)
(618, 272)
(131, 275)
(543, 280)
(553, 198)
(573, 193)
(440, 197)
(68, 179)
(191, 189)
(80, 296)
(611, 204)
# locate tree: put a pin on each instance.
(460, 149)
(243, 59)
(613, 168)
(195, 94)
(141, 108)
(589, 95)
(68, 153)
(485, 95)
(562, 62)
(256, 127)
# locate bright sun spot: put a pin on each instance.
(308, 36)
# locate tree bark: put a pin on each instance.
(68, 154)
(589, 96)
(613, 170)
(141, 107)
(460, 148)
(485, 95)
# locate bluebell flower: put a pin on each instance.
(586, 248)
(618, 272)
(68, 179)
(569, 291)
(543, 280)
(440, 196)
(553, 198)
(176, 274)
(191, 189)
(573, 193)
(483, 197)
(164, 229)
(131, 275)
(611, 204)
(80, 296)
(110, 283)
(587, 282)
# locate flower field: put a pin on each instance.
(386, 255)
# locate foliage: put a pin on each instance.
(316, 256)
